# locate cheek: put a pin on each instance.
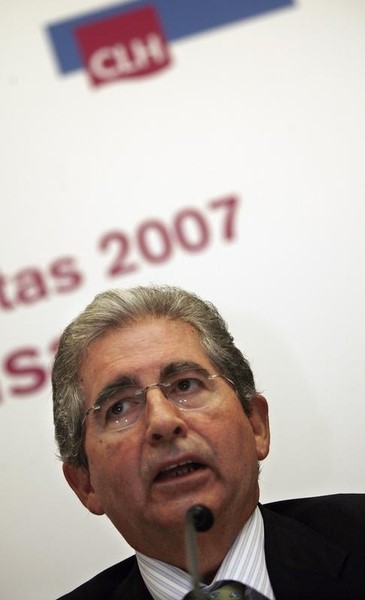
(97, 452)
(113, 465)
(237, 441)
(101, 449)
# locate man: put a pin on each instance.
(156, 411)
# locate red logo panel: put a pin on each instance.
(129, 45)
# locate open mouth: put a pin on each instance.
(179, 470)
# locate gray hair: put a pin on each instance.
(114, 309)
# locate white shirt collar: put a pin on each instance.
(244, 562)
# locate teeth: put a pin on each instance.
(182, 471)
(177, 465)
(179, 469)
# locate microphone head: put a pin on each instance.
(201, 516)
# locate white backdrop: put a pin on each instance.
(267, 111)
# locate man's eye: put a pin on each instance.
(116, 409)
(187, 385)
(120, 408)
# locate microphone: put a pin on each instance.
(198, 518)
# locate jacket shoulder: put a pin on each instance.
(104, 584)
(341, 517)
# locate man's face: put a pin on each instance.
(145, 477)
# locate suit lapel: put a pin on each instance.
(132, 587)
(301, 563)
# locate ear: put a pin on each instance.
(78, 478)
(259, 419)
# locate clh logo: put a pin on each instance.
(129, 39)
(129, 45)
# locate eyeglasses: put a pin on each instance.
(188, 390)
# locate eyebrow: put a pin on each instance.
(124, 381)
(175, 367)
(112, 388)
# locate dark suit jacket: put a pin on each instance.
(314, 548)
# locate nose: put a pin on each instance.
(164, 421)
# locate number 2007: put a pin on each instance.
(154, 240)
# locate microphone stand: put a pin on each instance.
(198, 518)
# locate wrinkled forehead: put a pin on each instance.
(140, 350)
(139, 331)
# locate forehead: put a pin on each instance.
(140, 350)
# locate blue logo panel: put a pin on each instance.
(179, 19)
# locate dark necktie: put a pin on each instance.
(222, 590)
(225, 590)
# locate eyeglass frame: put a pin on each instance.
(162, 385)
